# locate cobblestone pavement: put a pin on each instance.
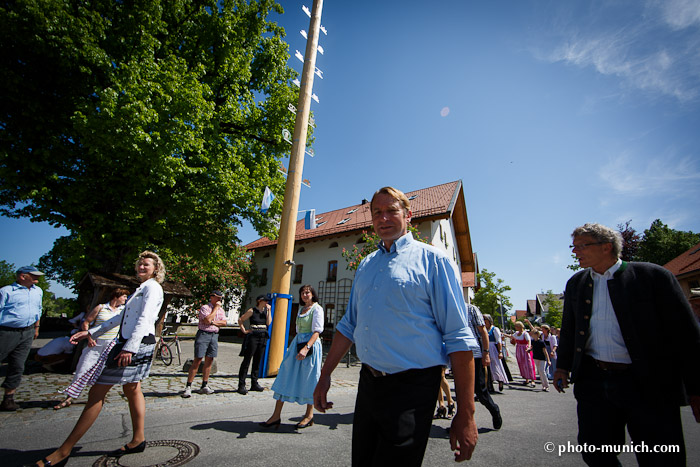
(41, 390)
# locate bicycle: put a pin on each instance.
(164, 351)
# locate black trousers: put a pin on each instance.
(254, 350)
(15, 345)
(393, 416)
(480, 388)
(609, 401)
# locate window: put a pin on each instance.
(332, 271)
(266, 255)
(298, 273)
(301, 249)
(263, 277)
(351, 211)
(343, 221)
(333, 245)
(319, 224)
(412, 197)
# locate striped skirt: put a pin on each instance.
(138, 369)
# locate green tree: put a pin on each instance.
(660, 244)
(555, 308)
(491, 298)
(142, 124)
(370, 240)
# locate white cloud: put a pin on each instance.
(680, 14)
(654, 47)
(628, 175)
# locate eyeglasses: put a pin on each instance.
(583, 246)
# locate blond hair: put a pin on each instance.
(159, 273)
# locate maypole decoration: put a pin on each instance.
(281, 276)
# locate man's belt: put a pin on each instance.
(375, 373)
(611, 366)
(9, 328)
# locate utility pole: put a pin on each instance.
(281, 276)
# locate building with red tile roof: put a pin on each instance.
(686, 268)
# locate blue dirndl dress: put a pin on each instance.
(297, 379)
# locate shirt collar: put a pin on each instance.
(398, 244)
(609, 273)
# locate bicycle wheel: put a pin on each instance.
(165, 354)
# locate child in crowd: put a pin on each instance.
(541, 357)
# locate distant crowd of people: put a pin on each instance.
(410, 325)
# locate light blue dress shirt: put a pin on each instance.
(404, 304)
(19, 306)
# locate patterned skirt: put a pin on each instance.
(138, 369)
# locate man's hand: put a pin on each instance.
(321, 392)
(561, 380)
(91, 342)
(485, 359)
(695, 405)
(463, 436)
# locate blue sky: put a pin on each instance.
(552, 113)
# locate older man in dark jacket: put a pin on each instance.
(628, 370)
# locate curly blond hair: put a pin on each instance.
(159, 274)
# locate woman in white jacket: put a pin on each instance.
(126, 361)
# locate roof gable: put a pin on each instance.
(685, 263)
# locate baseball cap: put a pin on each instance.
(29, 270)
(262, 297)
(217, 293)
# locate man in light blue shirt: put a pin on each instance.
(20, 310)
(406, 302)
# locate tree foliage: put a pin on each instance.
(555, 307)
(370, 242)
(491, 298)
(660, 244)
(630, 241)
(141, 124)
(224, 272)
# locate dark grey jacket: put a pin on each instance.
(658, 326)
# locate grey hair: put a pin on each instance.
(602, 234)
(488, 317)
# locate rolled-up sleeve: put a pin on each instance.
(449, 308)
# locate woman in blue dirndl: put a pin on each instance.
(301, 366)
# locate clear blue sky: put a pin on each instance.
(552, 113)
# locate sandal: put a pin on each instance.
(441, 413)
(66, 403)
(450, 410)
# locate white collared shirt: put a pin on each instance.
(605, 340)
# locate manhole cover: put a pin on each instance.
(186, 451)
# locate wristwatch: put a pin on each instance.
(307, 346)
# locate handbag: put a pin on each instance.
(111, 362)
(302, 345)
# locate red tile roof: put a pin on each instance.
(437, 201)
(685, 263)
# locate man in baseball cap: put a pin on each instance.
(20, 311)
